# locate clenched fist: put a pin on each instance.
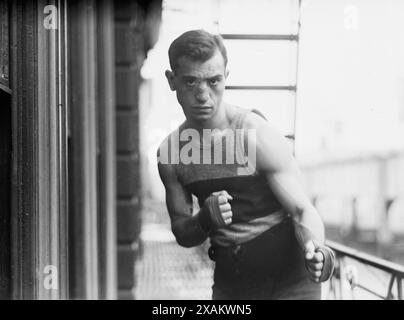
(319, 261)
(216, 211)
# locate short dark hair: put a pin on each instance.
(198, 45)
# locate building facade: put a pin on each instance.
(70, 191)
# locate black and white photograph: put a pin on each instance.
(193, 151)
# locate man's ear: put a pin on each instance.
(170, 79)
(226, 73)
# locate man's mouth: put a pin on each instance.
(201, 108)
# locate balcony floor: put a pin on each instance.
(168, 271)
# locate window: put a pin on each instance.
(262, 51)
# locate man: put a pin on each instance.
(266, 238)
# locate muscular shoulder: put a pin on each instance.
(273, 151)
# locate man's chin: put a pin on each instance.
(201, 118)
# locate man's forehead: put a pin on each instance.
(211, 67)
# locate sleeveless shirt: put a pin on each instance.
(225, 164)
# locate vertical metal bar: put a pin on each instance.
(83, 187)
(399, 288)
(107, 237)
(63, 190)
(341, 274)
(49, 175)
(296, 77)
(389, 291)
(333, 287)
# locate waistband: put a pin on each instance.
(242, 232)
(281, 230)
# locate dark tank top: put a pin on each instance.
(226, 164)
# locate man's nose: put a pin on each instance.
(202, 93)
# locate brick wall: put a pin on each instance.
(131, 44)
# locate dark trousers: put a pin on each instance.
(271, 266)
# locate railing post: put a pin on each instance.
(390, 289)
(384, 234)
(341, 274)
(395, 271)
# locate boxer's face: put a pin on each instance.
(199, 86)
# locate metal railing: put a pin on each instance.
(348, 273)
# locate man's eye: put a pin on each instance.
(190, 83)
(213, 82)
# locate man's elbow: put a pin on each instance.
(183, 240)
(185, 243)
(308, 210)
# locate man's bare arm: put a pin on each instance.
(185, 226)
(274, 158)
